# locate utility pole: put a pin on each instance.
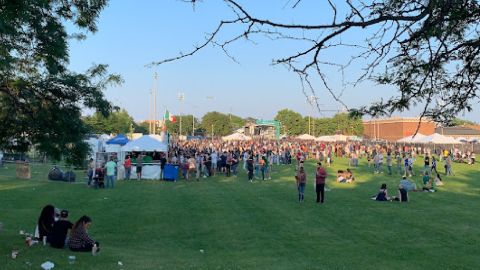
(193, 125)
(181, 97)
(155, 77)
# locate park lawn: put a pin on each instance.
(260, 225)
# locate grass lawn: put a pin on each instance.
(260, 225)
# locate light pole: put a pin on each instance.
(181, 98)
(312, 100)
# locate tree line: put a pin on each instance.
(220, 124)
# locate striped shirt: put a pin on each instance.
(79, 238)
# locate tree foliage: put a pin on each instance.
(292, 122)
(40, 99)
(117, 122)
(429, 50)
(187, 125)
(220, 123)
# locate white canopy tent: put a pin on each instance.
(339, 138)
(325, 139)
(236, 137)
(146, 143)
(306, 137)
(438, 139)
(412, 139)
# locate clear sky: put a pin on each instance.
(131, 34)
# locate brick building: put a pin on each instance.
(392, 129)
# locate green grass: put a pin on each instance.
(242, 225)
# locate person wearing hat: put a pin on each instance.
(57, 238)
(320, 177)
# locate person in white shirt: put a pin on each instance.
(214, 157)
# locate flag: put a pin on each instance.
(169, 117)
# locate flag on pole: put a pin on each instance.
(169, 117)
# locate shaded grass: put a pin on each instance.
(242, 225)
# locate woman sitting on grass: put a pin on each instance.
(382, 195)
(45, 222)
(428, 183)
(79, 239)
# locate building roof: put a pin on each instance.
(458, 131)
(397, 119)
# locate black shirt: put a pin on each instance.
(163, 161)
(427, 161)
(59, 233)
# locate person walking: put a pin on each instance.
(110, 166)
(139, 166)
(320, 178)
(128, 167)
(91, 169)
(301, 178)
(250, 166)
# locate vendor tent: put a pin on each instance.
(146, 143)
(412, 138)
(339, 138)
(325, 139)
(236, 137)
(120, 139)
(438, 139)
(355, 138)
(306, 137)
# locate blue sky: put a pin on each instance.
(132, 34)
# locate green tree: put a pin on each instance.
(292, 122)
(40, 99)
(219, 122)
(116, 122)
(460, 122)
(236, 122)
(140, 127)
(187, 125)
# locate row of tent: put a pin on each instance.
(435, 139)
(120, 143)
(304, 137)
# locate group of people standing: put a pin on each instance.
(320, 178)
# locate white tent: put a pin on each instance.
(412, 139)
(438, 139)
(355, 138)
(306, 137)
(325, 139)
(147, 143)
(236, 137)
(339, 138)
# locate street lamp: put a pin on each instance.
(181, 98)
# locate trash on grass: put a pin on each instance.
(47, 265)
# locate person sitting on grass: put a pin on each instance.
(45, 222)
(57, 238)
(407, 185)
(79, 239)
(402, 194)
(382, 195)
(428, 183)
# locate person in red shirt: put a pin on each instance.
(320, 177)
(128, 167)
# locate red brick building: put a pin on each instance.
(392, 129)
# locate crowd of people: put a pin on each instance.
(199, 159)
